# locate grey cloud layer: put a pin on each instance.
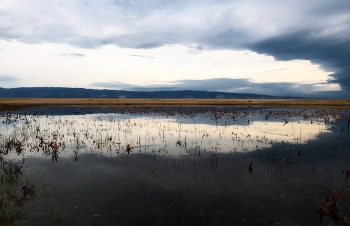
(318, 31)
(72, 55)
(227, 85)
(8, 78)
(134, 55)
(136, 23)
(113, 85)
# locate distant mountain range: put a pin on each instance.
(61, 92)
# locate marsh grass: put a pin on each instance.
(18, 191)
(12, 103)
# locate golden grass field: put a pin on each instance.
(14, 103)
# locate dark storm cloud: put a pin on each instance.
(331, 53)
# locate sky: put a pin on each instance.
(273, 47)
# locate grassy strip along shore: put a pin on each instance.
(13, 103)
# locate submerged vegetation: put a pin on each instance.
(132, 165)
(12, 199)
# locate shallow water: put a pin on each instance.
(172, 166)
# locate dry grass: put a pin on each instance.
(307, 103)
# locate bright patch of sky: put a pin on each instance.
(64, 65)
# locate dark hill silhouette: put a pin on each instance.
(62, 92)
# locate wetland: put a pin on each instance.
(172, 165)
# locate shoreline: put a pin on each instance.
(15, 103)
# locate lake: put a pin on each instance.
(174, 166)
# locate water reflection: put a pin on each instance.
(160, 166)
(170, 134)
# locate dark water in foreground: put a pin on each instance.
(171, 166)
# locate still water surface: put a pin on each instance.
(172, 166)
